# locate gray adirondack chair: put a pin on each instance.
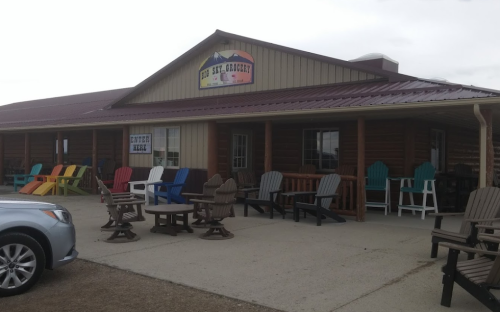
(121, 213)
(476, 276)
(327, 190)
(270, 184)
(479, 214)
(218, 208)
(209, 188)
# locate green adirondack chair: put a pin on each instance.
(23, 179)
(423, 183)
(65, 183)
(378, 180)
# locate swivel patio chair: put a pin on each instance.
(23, 179)
(378, 180)
(120, 181)
(209, 188)
(270, 186)
(154, 177)
(172, 192)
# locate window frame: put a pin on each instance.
(334, 129)
(65, 159)
(247, 158)
(165, 165)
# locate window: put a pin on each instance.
(240, 151)
(166, 147)
(437, 150)
(321, 148)
(65, 155)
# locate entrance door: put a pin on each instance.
(241, 150)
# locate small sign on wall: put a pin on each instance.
(140, 143)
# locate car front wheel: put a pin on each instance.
(22, 261)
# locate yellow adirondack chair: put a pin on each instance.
(51, 184)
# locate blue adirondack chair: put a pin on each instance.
(378, 180)
(23, 179)
(423, 183)
(173, 189)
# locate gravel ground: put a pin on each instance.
(87, 286)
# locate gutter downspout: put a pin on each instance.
(482, 146)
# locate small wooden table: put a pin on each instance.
(168, 225)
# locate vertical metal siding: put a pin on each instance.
(272, 70)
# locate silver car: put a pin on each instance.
(33, 236)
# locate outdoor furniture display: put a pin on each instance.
(476, 276)
(217, 209)
(270, 186)
(64, 183)
(120, 181)
(107, 170)
(173, 189)
(327, 190)
(480, 213)
(154, 177)
(168, 225)
(245, 179)
(120, 216)
(307, 169)
(209, 188)
(423, 183)
(39, 179)
(51, 182)
(23, 179)
(378, 180)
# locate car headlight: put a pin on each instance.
(59, 214)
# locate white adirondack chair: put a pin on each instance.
(154, 177)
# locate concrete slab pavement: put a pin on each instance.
(383, 264)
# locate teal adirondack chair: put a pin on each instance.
(378, 180)
(23, 179)
(173, 192)
(423, 183)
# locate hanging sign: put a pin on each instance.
(226, 68)
(140, 143)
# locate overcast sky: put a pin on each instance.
(55, 48)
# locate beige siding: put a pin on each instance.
(272, 70)
(193, 145)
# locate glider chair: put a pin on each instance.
(476, 276)
(378, 180)
(423, 183)
(481, 211)
(50, 183)
(120, 181)
(39, 180)
(172, 192)
(217, 209)
(209, 188)
(23, 179)
(327, 190)
(270, 184)
(154, 177)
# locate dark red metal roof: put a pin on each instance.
(89, 108)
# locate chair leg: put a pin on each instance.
(424, 204)
(449, 278)
(434, 197)
(318, 213)
(400, 197)
(434, 250)
(245, 209)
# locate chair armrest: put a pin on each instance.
(468, 249)
(298, 193)
(138, 182)
(250, 190)
(194, 195)
(275, 191)
(152, 183)
(137, 202)
(489, 238)
(487, 227)
(446, 214)
(482, 220)
(201, 201)
(327, 196)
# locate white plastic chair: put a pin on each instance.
(154, 177)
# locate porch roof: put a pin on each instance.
(90, 109)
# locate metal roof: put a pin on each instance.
(88, 108)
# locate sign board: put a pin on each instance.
(226, 68)
(140, 143)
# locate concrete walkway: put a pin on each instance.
(383, 264)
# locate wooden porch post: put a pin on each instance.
(490, 155)
(268, 151)
(2, 159)
(360, 214)
(27, 157)
(212, 148)
(60, 148)
(94, 162)
(125, 147)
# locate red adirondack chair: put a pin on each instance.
(120, 183)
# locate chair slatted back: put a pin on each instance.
(483, 204)
(377, 174)
(307, 169)
(34, 171)
(345, 170)
(122, 177)
(270, 181)
(56, 170)
(425, 171)
(154, 175)
(224, 198)
(180, 178)
(79, 175)
(246, 177)
(108, 198)
(327, 185)
(67, 173)
(211, 185)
